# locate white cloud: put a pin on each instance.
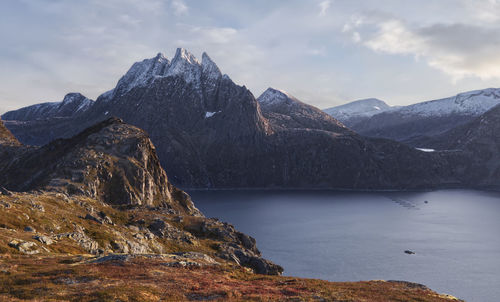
(180, 8)
(458, 50)
(323, 7)
(218, 35)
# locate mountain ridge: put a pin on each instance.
(212, 133)
(409, 124)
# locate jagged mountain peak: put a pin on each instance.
(186, 65)
(209, 68)
(184, 55)
(274, 96)
(141, 73)
(72, 96)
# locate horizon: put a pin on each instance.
(325, 53)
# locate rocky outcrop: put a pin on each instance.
(112, 161)
(235, 246)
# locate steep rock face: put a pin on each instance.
(210, 132)
(478, 142)
(112, 161)
(410, 123)
(353, 112)
(286, 111)
(73, 104)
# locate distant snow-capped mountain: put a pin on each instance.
(351, 112)
(72, 104)
(412, 123)
(471, 103)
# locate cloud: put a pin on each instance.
(323, 7)
(218, 35)
(180, 8)
(459, 50)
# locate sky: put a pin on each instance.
(324, 52)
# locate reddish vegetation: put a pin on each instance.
(77, 279)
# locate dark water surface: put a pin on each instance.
(349, 236)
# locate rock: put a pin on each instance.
(4, 191)
(93, 218)
(113, 257)
(29, 229)
(111, 161)
(182, 264)
(163, 229)
(37, 206)
(83, 240)
(26, 247)
(249, 259)
(409, 252)
(44, 239)
(5, 204)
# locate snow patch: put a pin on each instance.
(209, 114)
(425, 149)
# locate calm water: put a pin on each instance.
(362, 236)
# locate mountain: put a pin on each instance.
(72, 105)
(479, 142)
(212, 133)
(411, 123)
(286, 111)
(353, 112)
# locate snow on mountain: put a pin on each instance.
(183, 64)
(360, 108)
(72, 104)
(209, 68)
(272, 97)
(471, 103)
(141, 72)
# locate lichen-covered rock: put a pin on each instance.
(25, 247)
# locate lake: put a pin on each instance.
(352, 236)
